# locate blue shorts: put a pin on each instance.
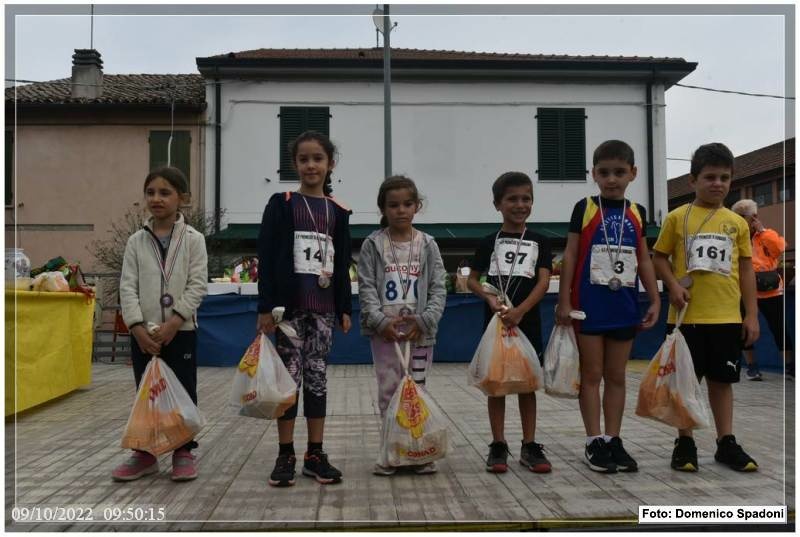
(626, 333)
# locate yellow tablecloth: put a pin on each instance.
(53, 333)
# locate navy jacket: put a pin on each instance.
(276, 277)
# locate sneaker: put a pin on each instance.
(139, 464)
(532, 456)
(732, 454)
(283, 473)
(497, 461)
(423, 469)
(684, 456)
(316, 465)
(598, 457)
(384, 470)
(183, 465)
(624, 462)
(752, 373)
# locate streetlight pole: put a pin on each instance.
(384, 26)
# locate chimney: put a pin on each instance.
(87, 74)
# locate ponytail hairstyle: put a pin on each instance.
(396, 182)
(327, 146)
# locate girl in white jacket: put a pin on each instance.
(164, 279)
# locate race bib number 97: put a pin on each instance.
(711, 252)
(524, 262)
(307, 253)
(602, 269)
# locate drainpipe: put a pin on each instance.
(217, 151)
(651, 202)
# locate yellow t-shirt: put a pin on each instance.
(725, 237)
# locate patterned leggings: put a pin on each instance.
(306, 358)
(389, 371)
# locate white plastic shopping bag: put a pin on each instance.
(669, 391)
(163, 417)
(562, 368)
(414, 428)
(262, 386)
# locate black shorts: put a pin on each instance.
(716, 350)
(626, 333)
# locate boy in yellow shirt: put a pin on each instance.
(703, 255)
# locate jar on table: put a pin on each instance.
(17, 264)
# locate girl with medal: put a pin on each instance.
(517, 263)
(164, 275)
(303, 261)
(401, 290)
(605, 257)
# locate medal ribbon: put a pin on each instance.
(316, 230)
(504, 289)
(405, 285)
(615, 259)
(688, 246)
(167, 265)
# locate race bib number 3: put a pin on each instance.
(602, 269)
(525, 262)
(307, 253)
(711, 252)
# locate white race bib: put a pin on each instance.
(307, 254)
(602, 269)
(525, 262)
(392, 293)
(711, 252)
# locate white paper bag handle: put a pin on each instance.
(405, 357)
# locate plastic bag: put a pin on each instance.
(262, 386)
(50, 281)
(163, 417)
(414, 428)
(562, 368)
(669, 391)
(505, 362)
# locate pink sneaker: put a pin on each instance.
(183, 466)
(139, 464)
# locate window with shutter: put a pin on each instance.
(294, 121)
(561, 144)
(179, 152)
(9, 167)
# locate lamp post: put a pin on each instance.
(380, 17)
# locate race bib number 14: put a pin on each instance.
(307, 253)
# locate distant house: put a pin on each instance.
(81, 147)
(766, 176)
(459, 119)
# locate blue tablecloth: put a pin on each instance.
(227, 326)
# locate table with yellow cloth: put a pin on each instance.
(53, 336)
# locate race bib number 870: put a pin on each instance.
(307, 253)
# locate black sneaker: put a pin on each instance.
(753, 373)
(598, 457)
(283, 473)
(316, 465)
(684, 456)
(532, 456)
(497, 461)
(624, 462)
(732, 454)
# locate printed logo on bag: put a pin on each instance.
(249, 396)
(156, 388)
(666, 369)
(249, 362)
(412, 411)
(416, 454)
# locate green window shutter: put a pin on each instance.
(295, 120)
(9, 167)
(180, 152)
(561, 144)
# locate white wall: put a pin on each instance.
(453, 139)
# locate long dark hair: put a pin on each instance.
(327, 146)
(396, 182)
(170, 174)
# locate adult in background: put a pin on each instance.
(768, 246)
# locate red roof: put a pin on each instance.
(771, 157)
(421, 54)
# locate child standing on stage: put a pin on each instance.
(519, 265)
(605, 257)
(164, 275)
(704, 256)
(303, 257)
(402, 293)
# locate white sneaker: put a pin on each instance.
(422, 469)
(384, 470)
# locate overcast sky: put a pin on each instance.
(745, 52)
